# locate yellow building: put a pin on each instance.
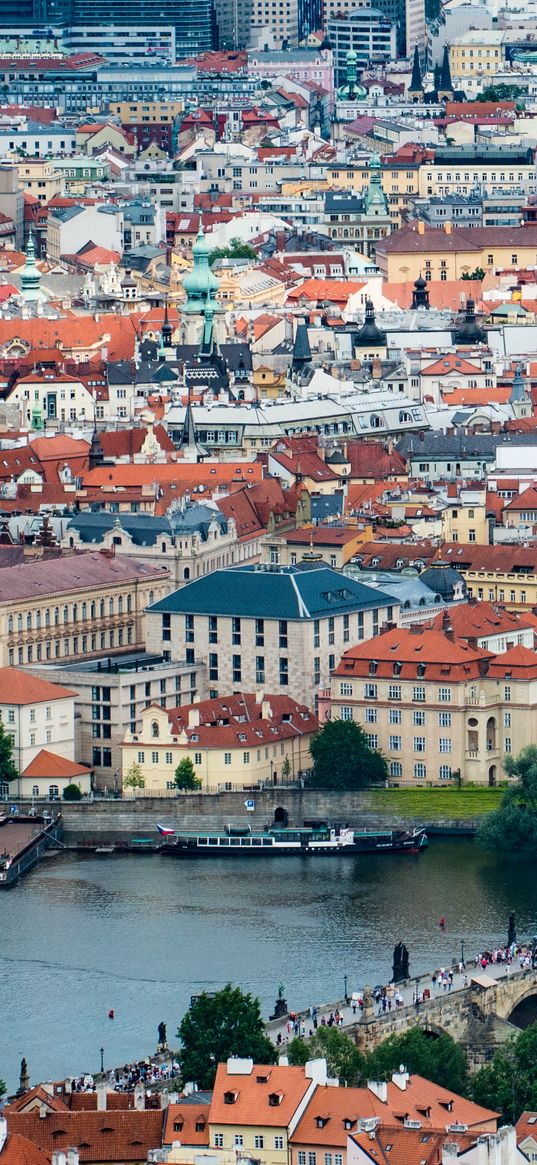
(237, 741)
(455, 172)
(478, 53)
(138, 112)
(40, 178)
(268, 382)
(465, 522)
(501, 574)
(444, 254)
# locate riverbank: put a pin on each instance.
(442, 811)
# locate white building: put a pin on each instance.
(70, 228)
(39, 718)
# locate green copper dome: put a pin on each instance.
(351, 90)
(199, 284)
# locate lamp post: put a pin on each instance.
(462, 951)
(102, 1059)
(345, 977)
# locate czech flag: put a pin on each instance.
(165, 831)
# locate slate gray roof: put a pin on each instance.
(144, 529)
(289, 592)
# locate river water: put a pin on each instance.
(81, 935)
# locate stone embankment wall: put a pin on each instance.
(107, 819)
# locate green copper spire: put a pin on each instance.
(30, 276)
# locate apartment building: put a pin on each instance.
(281, 629)
(39, 719)
(446, 254)
(438, 707)
(75, 607)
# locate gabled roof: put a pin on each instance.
(527, 500)
(18, 1150)
(99, 1136)
(451, 362)
(252, 1093)
(188, 1116)
(519, 663)
(20, 688)
(416, 652)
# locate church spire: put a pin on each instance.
(416, 83)
(30, 275)
(446, 86)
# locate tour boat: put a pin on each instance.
(322, 838)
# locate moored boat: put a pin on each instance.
(322, 838)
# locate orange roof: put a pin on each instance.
(452, 363)
(524, 501)
(99, 1136)
(49, 764)
(59, 447)
(519, 663)
(207, 473)
(333, 290)
(250, 1096)
(409, 1146)
(477, 396)
(526, 1126)
(19, 687)
(75, 333)
(474, 620)
(449, 295)
(419, 652)
(183, 1123)
(19, 1150)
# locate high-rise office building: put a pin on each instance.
(407, 15)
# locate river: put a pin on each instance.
(81, 935)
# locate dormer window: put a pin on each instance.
(347, 1123)
(275, 1098)
(421, 669)
(262, 1078)
(200, 1125)
(321, 1121)
(373, 666)
(397, 669)
(177, 1126)
(230, 1097)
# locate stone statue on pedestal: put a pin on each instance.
(162, 1041)
(511, 933)
(400, 963)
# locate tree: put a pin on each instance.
(509, 1083)
(228, 1023)
(440, 1060)
(2, 1088)
(236, 250)
(500, 93)
(343, 1058)
(72, 793)
(185, 775)
(342, 758)
(477, 273)
(8, 770)
(135, 777)
(514, 825)
(286, 769)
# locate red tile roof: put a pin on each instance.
(221, 725)
(128, 442)
(98, 1136)
(49, 764)
(206, 473)
(451, 362)
(527, 500)
(19, 687)
(19, 1150)
(374, 459)
(251, 1105)
(181, 1124)
(420, 652)
(78, 572)
(476, 620)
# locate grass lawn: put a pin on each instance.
(436, 803)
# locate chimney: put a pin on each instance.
(266, 710)
(194, 718)
(139, 1097)
(447, 228)
(379, 1088)
(59, 1157)
(450, 1152)
(401, 1078)
(421, 227)
(72, 1156)
(100, 1089)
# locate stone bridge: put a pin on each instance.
(480, 1016)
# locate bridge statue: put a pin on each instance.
(511, 933)
(400, 963)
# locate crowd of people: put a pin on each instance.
(147, 1072)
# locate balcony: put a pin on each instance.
(481, 701)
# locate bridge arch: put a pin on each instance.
(524, 1011)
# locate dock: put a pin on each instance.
(23, 841)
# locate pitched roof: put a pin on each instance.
(409, 1146)
(181, 1122)
(417, 652)
(374, 459)
(252, 1095)
(291, 592)
(18, 1150)
(19, 687)
(207, 473)
(475, 620)
(526, 1126)
(243, 719)
(527, 500)
(451, 362)
(99, 1136)
(519, 663)
(49, 577)
(49, 764)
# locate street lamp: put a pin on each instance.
(102, 1059)
(346, 992)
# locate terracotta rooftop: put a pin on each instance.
(267, 1097)
(49, 764)
(413, 653)
(18, 1150)
(20, 688)
(99, 1136)
(187, 1123)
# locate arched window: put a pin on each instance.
(53, 791)
(129, 604)
(84, 611)
(38, 620)
(19, 622)
(186, 572)
(75, 612)
(373, 666)
(29, 621)
(155, 731)
(66, 614)
(120, 605)
(92, 609)
(151, 597)
(35, 790)
(101, 608)
(56, 616)
(10, 623)
(111, 605)
(47, 617)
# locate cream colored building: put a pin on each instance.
(74, 607)
(280, 629)
(40, 178)
(436, 706)
(462, 174)
(238, 741)
(140, 112)
(466, 521)
(477, 53)
(39, 719)
(445, 254)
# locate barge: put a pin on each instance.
(23, 840)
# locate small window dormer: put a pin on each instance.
(347, 1122)
(373, 667)
(231, 1096)
(275, 1098)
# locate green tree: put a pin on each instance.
(185, 775)
(2, 1088)
(500, 93)
(440, 1060)
(286, 769)
(236, 250)
(477, 273)
(135, 777)
(514, 825)
(228, 1023)
(509, 1083)
(8, 770)
(342, 758)
(72, 793)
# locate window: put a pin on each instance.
(237, 673)
(507, 719)
(507, 694)
(345, 712)
(418, 718)
(260, 632)
(312, 1158)
(345, 689)
(227, 758)
(444, 719)
(371, 715)
(283, 633)
(444, 744)
(278, 1142)
(394, 716)
(154, 758)
(444, 772)
(419, 744)
(260, 669)
(394, 692)
(238, 1140)
(284, 672)
(301, 1157)
(331, 624)
(259, 1141)
(372, 740)
(236, 632)
(213, 629)
(219, 1140)
(396, 743)
(213, 665)
(197, 758)
(11, 716)
(418, 693)
(507, 744)
(396, 768)
(316, 633)
(444, 695)
(420, 771)
(346, 629)
(370, 691)
(360, 624)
